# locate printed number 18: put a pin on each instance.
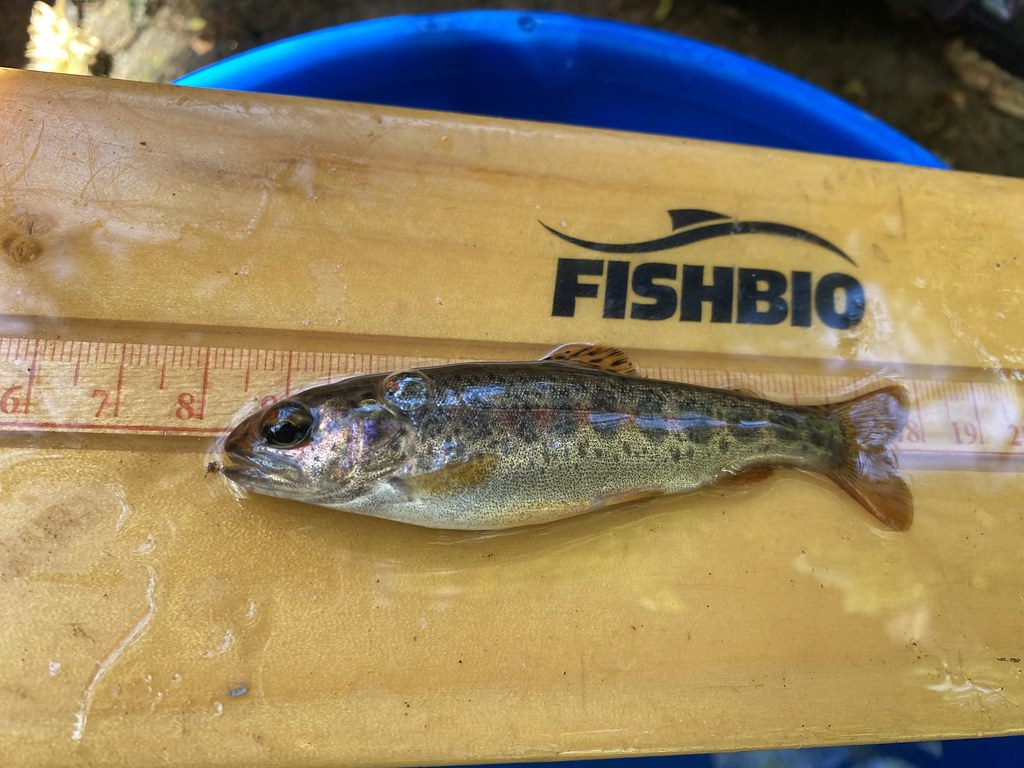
(912, 434)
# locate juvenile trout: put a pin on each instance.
(499, 445)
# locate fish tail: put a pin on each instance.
(868, 471)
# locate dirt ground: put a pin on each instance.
(893, 61)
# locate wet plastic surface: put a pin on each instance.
(151, 614)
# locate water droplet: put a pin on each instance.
(148, 677)
(239, 690)
(54, 668)
(527, 23)
(218, 709)
(176, 678)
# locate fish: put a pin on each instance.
(494, 445)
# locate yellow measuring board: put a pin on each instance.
(171, 258)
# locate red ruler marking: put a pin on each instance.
(68, 426)
(206, 385)
(120, 384)
(32, 369)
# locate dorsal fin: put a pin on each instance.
(746, 392)
(599, 356)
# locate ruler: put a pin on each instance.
(64, 386)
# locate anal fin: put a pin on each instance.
(625, 497)
(744, 477)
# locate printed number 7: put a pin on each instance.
(104, 395)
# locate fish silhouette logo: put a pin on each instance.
(692, 225)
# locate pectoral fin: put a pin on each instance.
(450, 479)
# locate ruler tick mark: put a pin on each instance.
(32, 369)
(206, 386)
(917, 407)
(977, 416)
(78, 364)
(120, 383)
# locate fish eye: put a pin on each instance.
(286, 425)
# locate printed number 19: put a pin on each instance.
(966, 433)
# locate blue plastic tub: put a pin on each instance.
(564, 69)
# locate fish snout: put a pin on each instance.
(240, 460)
(240, 445)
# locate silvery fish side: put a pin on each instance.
(500, 445)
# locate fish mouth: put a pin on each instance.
(242, 463)
(234, 467)
(250, 476)
(242, 469)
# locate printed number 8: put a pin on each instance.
(186, 406)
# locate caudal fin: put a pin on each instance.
(869, 472)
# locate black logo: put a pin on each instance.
(685, 231)
(742, 295)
